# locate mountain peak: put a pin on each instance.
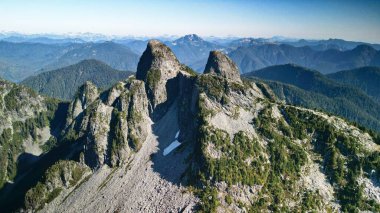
(157, 56)
(158, 66)
(219, 64)
(88, 92)
(192, 37)
(154, 43)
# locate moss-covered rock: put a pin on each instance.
(61, 176)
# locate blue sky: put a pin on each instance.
(347, 19)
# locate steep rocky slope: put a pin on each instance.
(27, 128)
(122, 144)
(256, 154)
(172, 141)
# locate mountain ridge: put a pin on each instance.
(256, 57)
(64, 82)
(17, 61)
(344, 100)
(235, 148)
(115, 55)
(365, 78)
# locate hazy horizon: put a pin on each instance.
(79, 35)
(349, 20)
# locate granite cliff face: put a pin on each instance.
(158, 67)
(110, 124)
(173, 141)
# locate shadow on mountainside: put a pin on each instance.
(172, 166)
(12, 194)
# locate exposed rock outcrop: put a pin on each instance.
(158, 68)
(130, 118)
(62, 176)
(157, 56)
(97, 139)
(110, 125)
(114, 93)
(86, 94)
(219, 64)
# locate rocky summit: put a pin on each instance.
(171, 140)
(158, 67)
(219, 64)
(157, 56)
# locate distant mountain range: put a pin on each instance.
(64, 82)
(334, 43)
(115, 55)
(301, 86)
(256, 57)
(86, 37)
(137, 46)
(53, 52)
(21, 60)
(338, 44)
(193, 50)
(247, 42)
(42, 40)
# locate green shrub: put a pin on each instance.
(213, 86)
(49, 145)
(76, 175)
(209, 200)
(35, 197)
(134, 142)
(189, 70)
(57, 176)
(52, 195)
(229, 199)
(153, 77)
